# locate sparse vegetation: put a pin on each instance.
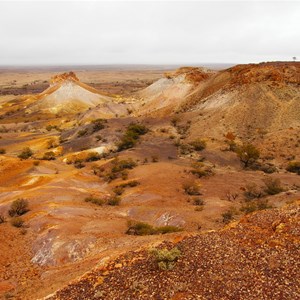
(94, 200)
(49, 156)
(2, 219)
(191, 188)
(17, 222)
(294, 167)
(82, 132)
(201, 170)
(198, 144)
(118, 169)
(2, 151)
(114, 201)
(131, 136)
(252, 191)
(198, 201)
(18, 207)
(248, 154)
(98, 124)
(228, 215)
(93, 156)
(26, 153)
(166, 259)
(272, 186)
(254, 205)
(141, 228)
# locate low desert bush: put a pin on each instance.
(119, 169)
(228, 216)
(272, 186)
(2, 151)
(198, 144)
(131, 183)
(82, 132)
(252, 191)
(113, 201)
(98, 124)
(18, 207)
(165, 258)
(26, 153)
(94, 200)
(49, 156)
(120, 165)
(248, 154)
(93, 156)
(191, 188)
(198, 201)
(78, 164)
(254, 205)
(294, 167)
(131, 136)
(200, 170)
(2, 219)
(118, 190)
(141, 228)
(17, 222)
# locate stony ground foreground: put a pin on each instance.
(257, 258)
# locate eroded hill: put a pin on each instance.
(111, 174)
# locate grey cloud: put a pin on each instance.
(147, 32)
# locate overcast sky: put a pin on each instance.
(153, 32)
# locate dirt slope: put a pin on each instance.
(67, 94)
(257, 258)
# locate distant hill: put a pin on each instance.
(67, 94)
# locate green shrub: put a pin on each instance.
(198, 201)
(227, 216)
(126, 142)
(98, 124)
(131, 183)
(185, 149)
(114, 201)
(175, 120)
(166, 259)
(167, 229)
(95, 200)
(2, 219)
(82, 132)
(120, 165)
(200, 170)
(273, 186)
(254, 205)
(141, 228)
(26, 153)
(17, 222)
(118, 190)
(191, 188)
(154, 158)
(18, 207)
(78, 164)
(93, 156)
(198, 144)
(49, 156)
(252, 191)
(131, 136)
(294, 167)
(248, 154)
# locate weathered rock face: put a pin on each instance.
(69, 95)
(277, 72)
(191, 74)
(62, 77)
